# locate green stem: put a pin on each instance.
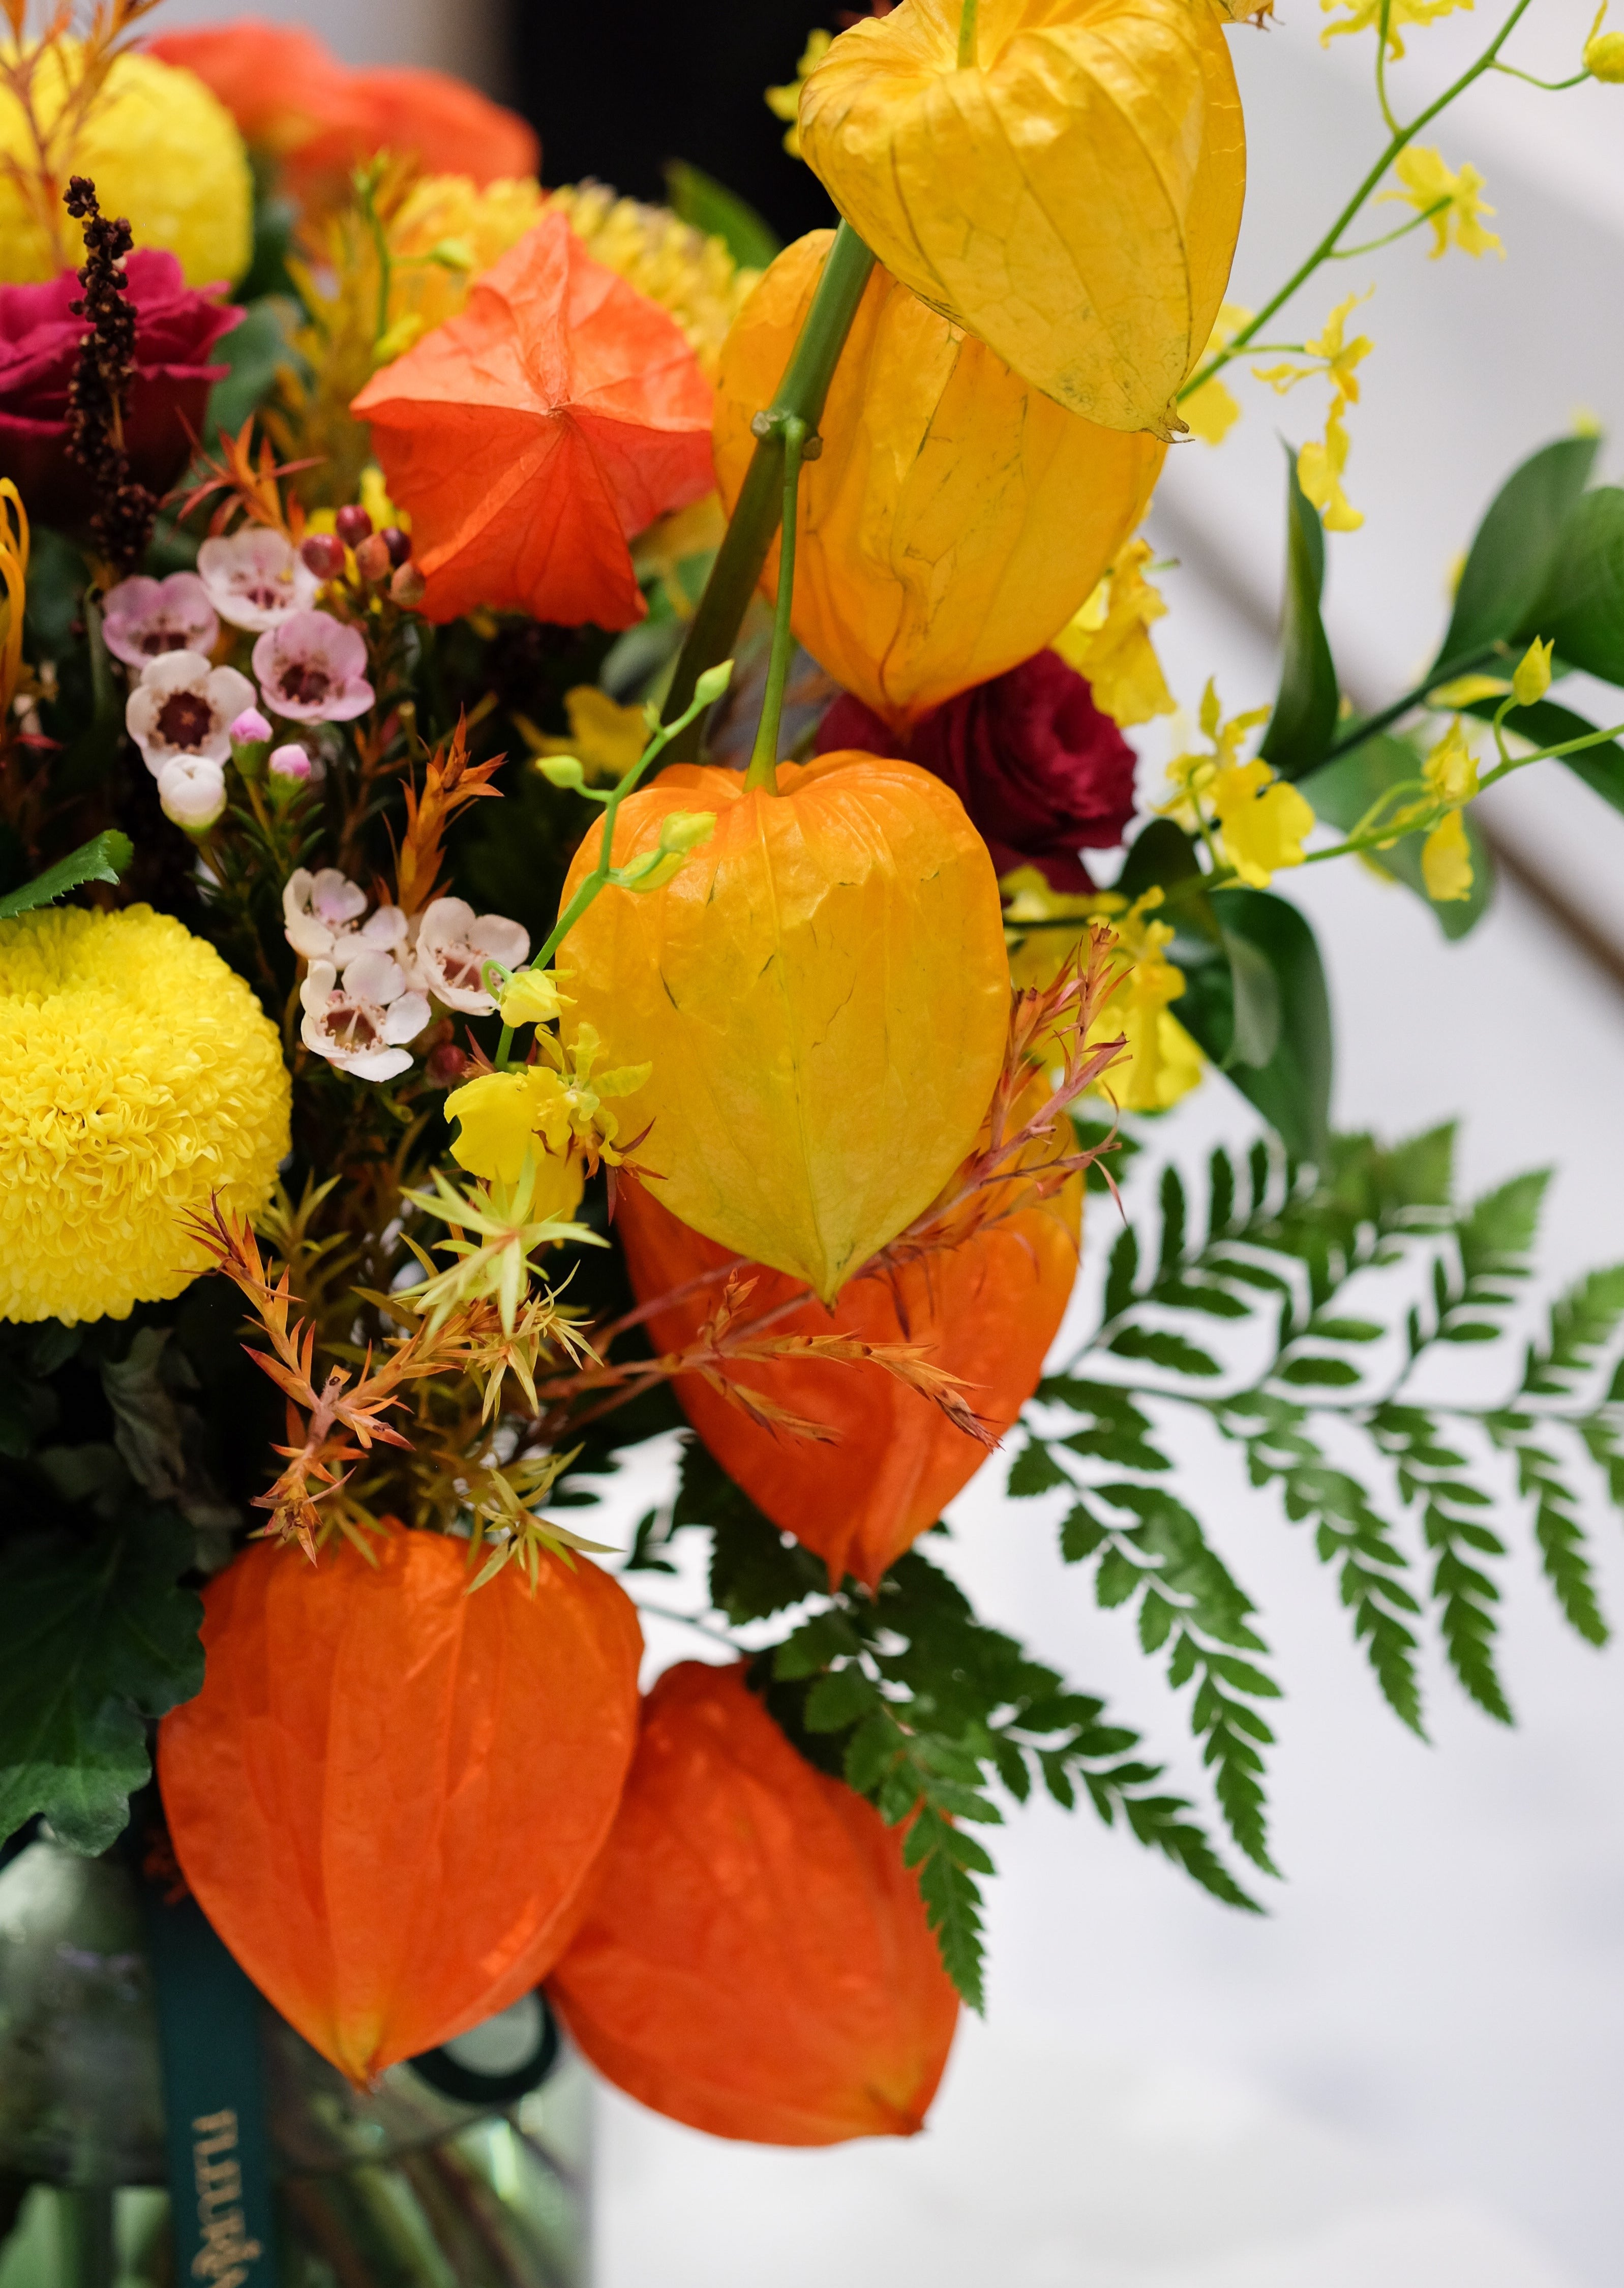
(1381, 39)
(1446, 671)
(1370, 246)
(763, 772)
(1325, 249)
(967, 36)
(715, 626)
(1550, 86)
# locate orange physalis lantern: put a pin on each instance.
(957, 518)
(530, 436)
(821, 993)
(755, 1960)
(389, 1791)
(1069, 188)
(985, 1309)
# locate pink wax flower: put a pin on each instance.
(141, 618)
(255, 578)
(313, 670)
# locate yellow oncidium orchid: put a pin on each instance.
(1365, 15)
(1261, 821)
(1339, 356)
(1160, 1062)
(1320, 467)
(785, 102)
(604, 737)
(1450, 201)
(1212, 411)
(1532, 679)
(1109, 642)
(502, 1114)
(1033, 190)
(1603, 52)
(1451, 768)
(1446, 861)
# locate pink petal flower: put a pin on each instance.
(255, 578)
(313, 669)
(143, 618)
(454, 944)
(183, 706)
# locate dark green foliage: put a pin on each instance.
(1515, 549)
(1304, 718)
(102, 858)
(93, 1638)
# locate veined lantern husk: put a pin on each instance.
(417, 2182)
(1073, 197)
(957, 518)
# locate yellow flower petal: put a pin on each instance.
(496, 1117)
(1446, 861)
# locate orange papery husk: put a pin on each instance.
(388, 1794)
(955, 518)
(821, 993)
(533, 434)
(985, 1308)
(755, 1960)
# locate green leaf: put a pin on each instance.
(1342, 791)
(952, 1905)
(1325, 1373)
(1510, 559)
(1122, 1273)
(103, 859)
(1581, 606)
(1292, 1091)
(1159, 1347)
(755, 1570)
(1546, 725)
(1162, 856)
(721, 213)
(1034, 1470)
(254, 350)
(1304, 718)
(95, 1637)
(838, 1700)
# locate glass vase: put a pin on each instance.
(443, 2177)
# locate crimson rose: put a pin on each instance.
(176, 326)
(1041, 772)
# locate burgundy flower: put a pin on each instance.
(1040, 770)
(176, 326)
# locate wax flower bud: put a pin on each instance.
(398, 543)
(322, 554)
(407, 588)
(1604, 53)
(191, 789)
(1532, 679)
(372, 559)
(251, 736)
(288, 769)
(353, 525)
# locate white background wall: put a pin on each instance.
(1410, 2075)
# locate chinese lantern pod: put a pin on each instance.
(755, 1959)
(1072, 198)
(957, 518)
(389, 1792)
(822, 994)
(987, 1309)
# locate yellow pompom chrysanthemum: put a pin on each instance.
(692, 275)
(162, 150)
(139, 1076)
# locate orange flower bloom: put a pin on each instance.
(389, 1795)
(533, 434)
(755, 1959)
(289, 95)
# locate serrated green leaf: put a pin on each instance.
(1034, 1470)
(95, 1636)
(1320, 1372)
(841, 1697)
(102, 858)
(1122, 1273)
(1081, 1535)
(1117, 1579)
(1159, 1346)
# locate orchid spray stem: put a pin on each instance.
(763, 772)
(716, 623)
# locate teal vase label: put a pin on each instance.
(214, 2102)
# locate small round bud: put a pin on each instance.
(250, 729)
(372, 558)
(446, 1066)
(289, 762)
(323, 554)
(408, 587)
(397, 543)
(353, 525)
(192, 791)
(1603, 56)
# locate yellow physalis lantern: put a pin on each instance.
(957, 518)
(822, 995)
(162, 150)
(1068, 187)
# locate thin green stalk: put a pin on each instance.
(715, 626)
(1325, 249)
(763, 772)
(1370, 245)
(967, 36)
(1382, 38)
(1445, 671)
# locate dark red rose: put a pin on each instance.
(1040, 770)
(175, 328)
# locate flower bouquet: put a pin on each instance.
(548, 753)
